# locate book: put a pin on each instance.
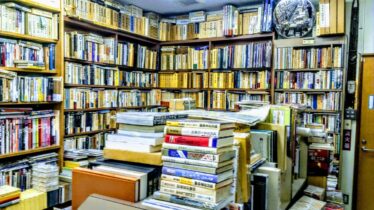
(143, 177)
(203, 141)
(199, 190)
(315, 192)
(146, 118)
(200, 132)
(135, 147)
(214, 178)
(139, 128)
(203, 169)
(196, 162)
(146, 58)
(219, 195)
(184, 154)
(264, 142)
(86, 142)
(134, 157)
(190, 202)
(259, 186)
(165, 205)
(199, 97)
(206, 150)
(153, 172)
(196, 183)
(319, 160)
(192, 123)
(132, 139)
(141, 133)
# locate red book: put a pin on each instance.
(318, 162)
(213, 142)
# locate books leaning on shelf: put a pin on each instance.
(136, 79)
(30, 21)
(24, 129)
(332, 79)
(320, 101)
(252, 55)
(76, 122)
(198, 97)
(198, 163)
(85, 98)
(184, 58)
(138, 98)
(26, 54)
(89, 47)
(125, 54)
(9, 195)
(309, 57)
(96, 141)
(146, 58)
(184, 80)
(78, 74)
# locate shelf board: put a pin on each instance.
(192, 89)
(28, 70)
(255, 91)
(89, 132)
(182, 70)
(137, 88)
(132, 68)
(91, 26)
(243, 69)
(91, 86)
(322, 111)
(26, 37)
(308, 90)
(220, 39)
(309, 70)
(140, 107)
(29, 103)
(35, 4)
(81, 61)
(89, 109)
(31, 151)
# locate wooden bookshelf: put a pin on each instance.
(182, 70)
(307, 70)
(27, 37)
(90, 109)
(309, 90)
(243, 69)
(30, 151)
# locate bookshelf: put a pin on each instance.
(318, 80)
(43, 71)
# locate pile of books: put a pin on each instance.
(9, 195)
(45, 177)
(139, 138)
(198, 161)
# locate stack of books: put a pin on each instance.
(9, 195)
(199, 97)
(139, 138)
(198, 164)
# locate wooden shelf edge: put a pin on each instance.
(35, 4)
(31, 151)
(89, 109)
(89, 132)
(30, 103)
(308, 90)
(90, 86)
(28, 70)
(13, 35)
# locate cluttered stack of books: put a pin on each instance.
(198, 160)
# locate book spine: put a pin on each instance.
(183, 201)
(189, 194)
(188, 161)
(206, 150)
(193, 124)
(190, 174)
(201, 169)
(190, 155)
(190, 182)
(185, 187)
(190, 140)
(191, 131)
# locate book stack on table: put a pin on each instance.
(139, 138)
(197, 165)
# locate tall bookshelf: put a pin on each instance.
(333, 72)
(40, 72)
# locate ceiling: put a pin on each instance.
(170, 7)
